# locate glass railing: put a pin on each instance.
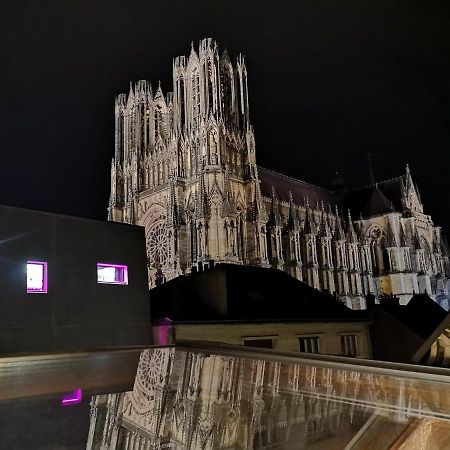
(216, 396)
(199, 395)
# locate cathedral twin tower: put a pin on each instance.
(185, 169)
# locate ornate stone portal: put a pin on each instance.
(185, 168)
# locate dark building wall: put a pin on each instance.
(76, 313)
(392, 340)
(43, 425)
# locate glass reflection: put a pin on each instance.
(189, 400)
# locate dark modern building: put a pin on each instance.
(69, 284)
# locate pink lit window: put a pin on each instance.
(36, 277)
(112, 274)
(72, 398)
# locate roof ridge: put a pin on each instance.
(294, 179)
(374, 185)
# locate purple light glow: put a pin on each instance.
(73, 398)
(37, 277)
(112, 273)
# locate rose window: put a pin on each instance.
(158, 247)
(152, 369)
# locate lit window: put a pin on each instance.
(309, 344)
(112, 274)
(36, 277)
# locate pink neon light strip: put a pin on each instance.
(73, 398)
(44, 288)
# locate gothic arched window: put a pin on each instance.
(213, 141)
(158, 121)
(195, 92)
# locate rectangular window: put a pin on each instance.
(349, 345)
(260, 343)
(36, 277)
(309, 344)
(112, 274)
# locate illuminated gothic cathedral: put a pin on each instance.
(185, 168)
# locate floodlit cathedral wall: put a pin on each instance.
(185, 168)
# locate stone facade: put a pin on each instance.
(285, 336)
(185, 169)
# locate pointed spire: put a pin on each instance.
(293, 223)
(159, 92)
(408, 179)
(274, 217)
(351, 234)
(130, 99)
(193, 54)
(310, 225)
(324, 228)
(338, 230)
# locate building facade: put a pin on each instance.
(185, 169)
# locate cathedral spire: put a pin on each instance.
(411, 198)
(292, 223)
(130, 100)
(159, 92)
(274, 217)
(310, 225)
(352, 236)
(339, 234)
(324, 229)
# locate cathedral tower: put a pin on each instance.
(184, 167)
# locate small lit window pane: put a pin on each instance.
(112, 274)
(36, 277)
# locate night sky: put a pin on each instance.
(329, 81)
